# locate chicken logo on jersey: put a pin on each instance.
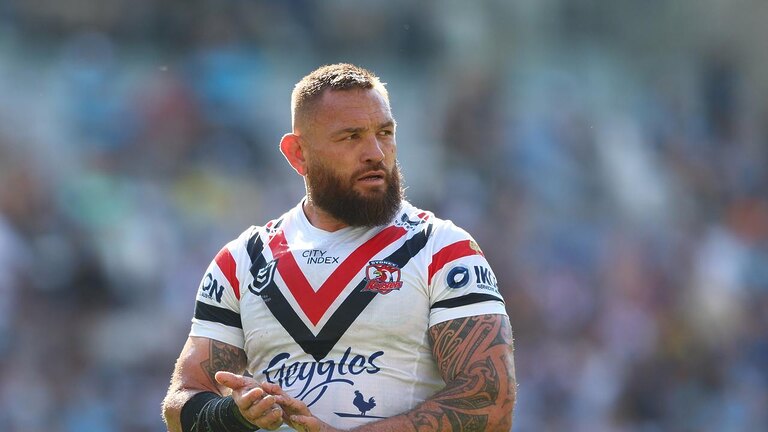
(362, 405)
(383, 277)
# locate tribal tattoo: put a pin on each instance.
(474, 355)
(223, 357)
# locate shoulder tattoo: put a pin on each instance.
(223, 357)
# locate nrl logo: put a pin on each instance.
(263, 277)
(383, 277)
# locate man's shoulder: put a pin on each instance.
(412, 218)
(254, 235)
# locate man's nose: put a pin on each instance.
(373, 151)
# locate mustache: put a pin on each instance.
(379, 166)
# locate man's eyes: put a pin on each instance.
(356, 136)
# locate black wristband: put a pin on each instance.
(192, 408)
(209, 412)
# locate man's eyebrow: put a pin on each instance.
(352, 130)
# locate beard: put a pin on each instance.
(338, 197)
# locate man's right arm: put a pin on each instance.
(195, 372)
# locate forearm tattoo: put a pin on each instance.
(474, 356)
(223, 357)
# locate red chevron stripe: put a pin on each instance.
(315, 304)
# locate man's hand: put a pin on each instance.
(256, 405)
(295, 412)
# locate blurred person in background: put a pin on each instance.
(610, 157)
(354, 309)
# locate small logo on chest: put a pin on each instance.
(263, 277)
(383, 277)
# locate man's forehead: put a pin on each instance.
(360, 104)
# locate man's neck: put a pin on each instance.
(321, 219)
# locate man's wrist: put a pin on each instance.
(209, 412)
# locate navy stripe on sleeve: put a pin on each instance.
(465, 300)
(206, 312)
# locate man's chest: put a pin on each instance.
(313, 296)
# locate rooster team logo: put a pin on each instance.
(383, 277)
(362, 405)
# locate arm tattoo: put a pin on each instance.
(474, 356)
(223, 357)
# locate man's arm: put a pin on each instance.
(475, 358)
(195, 372)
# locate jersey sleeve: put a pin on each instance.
(461, 282)
(217, 307)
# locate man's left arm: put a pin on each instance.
(475, 358)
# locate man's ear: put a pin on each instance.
(291, 148)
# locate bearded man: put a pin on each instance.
(354, 310)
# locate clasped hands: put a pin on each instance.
(267, 406)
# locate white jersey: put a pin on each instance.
(339, 319)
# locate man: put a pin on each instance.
(354, 310)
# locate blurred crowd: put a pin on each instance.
(611, 159)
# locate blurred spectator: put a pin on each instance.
(612, 159)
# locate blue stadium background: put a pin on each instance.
(611, 158)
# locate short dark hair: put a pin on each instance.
(339, 76)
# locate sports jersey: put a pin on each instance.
(339, 319)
